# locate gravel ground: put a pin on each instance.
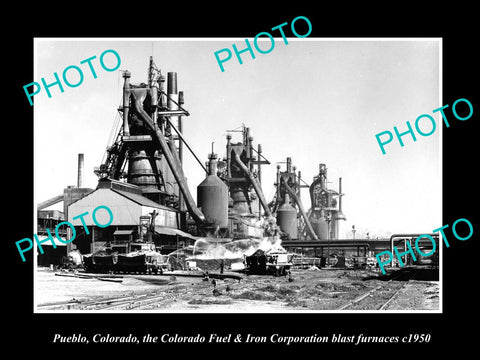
(308, 290)
(422, 295)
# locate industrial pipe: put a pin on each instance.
(259, 174)
(302, 211)
(80, 171)
(405, 237)
(126, 101)
(186, 144)
(277, 186)
(229, 158)
(176, 168)
(255, 184)
(172, 105)
(340, 194)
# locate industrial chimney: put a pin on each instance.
(80, 171)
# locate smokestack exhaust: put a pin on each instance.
(80, 171)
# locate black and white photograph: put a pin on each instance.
(201, 190)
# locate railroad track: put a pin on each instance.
(141, 300)
(93, 303)
(381, 295)
(127, 302)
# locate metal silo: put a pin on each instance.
(212, 196)
(287, 218)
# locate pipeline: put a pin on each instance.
(174, 165)
(255, 184)
(302, 211)
(405, 237)
(186, 144)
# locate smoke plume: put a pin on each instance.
(236, 249)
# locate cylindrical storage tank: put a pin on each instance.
(212, 197)
(287, 218)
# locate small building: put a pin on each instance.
(128, 206)
(49, 219)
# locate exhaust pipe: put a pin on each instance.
(80, 171)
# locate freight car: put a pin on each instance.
(101, 261)
(272, 263)
(143, 259)
(141, 262)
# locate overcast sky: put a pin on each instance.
(315, 100)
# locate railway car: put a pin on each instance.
(141, 262)
(99, 262)
(143, 258)
(263, 263)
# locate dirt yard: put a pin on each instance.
(306, 290)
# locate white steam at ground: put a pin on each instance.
(236, 249)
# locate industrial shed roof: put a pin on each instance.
(141, 200)
(172, 231)
(127, 208)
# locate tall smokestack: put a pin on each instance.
(80, 171)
